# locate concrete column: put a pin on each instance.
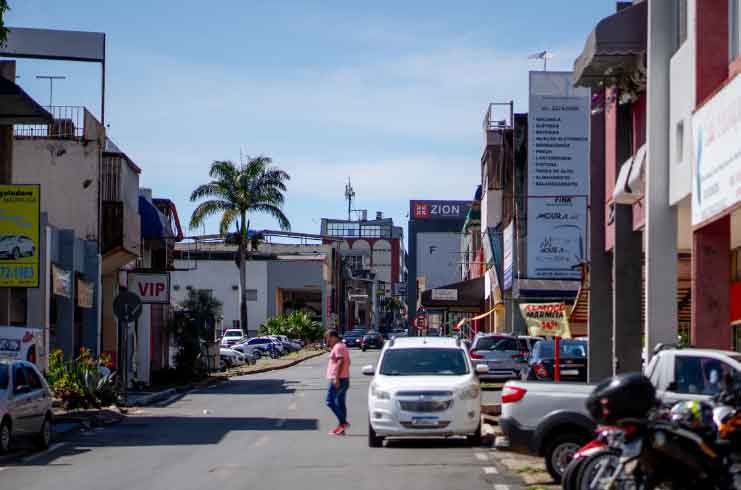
(661, 218)
(711, 279)
(91, 326)
(65, 335)
(627, 263)
(599, 324)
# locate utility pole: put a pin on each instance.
(51, 79)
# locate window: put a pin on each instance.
(734, 29)
(32, 378)
(681, 22)
(699, 375)
(424, 362)
(251, 294)
(4, 377)
(19, 376)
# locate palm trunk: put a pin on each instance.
(243, 274)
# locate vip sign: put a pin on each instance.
(152, 288)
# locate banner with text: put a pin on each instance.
(556, 237)
(546, 319)
(508, 241)
(152, 288)
(558, 136)
(20, 210)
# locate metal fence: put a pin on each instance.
(68, 123)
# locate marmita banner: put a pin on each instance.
(20, 209)
(546, 319)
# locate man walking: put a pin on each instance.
(338, 374)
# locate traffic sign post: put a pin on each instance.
(127, 307)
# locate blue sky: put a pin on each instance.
(390, 94)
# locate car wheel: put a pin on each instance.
(373, 439)
(475, 439)
(363, 348)
(258, 355)
(559, 452)
(16, 253)
(43, 438)
(5, 435)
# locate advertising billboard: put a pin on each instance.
(556, 237)
(546, 319)
(716, 129)
(508, 240)
(20, 210)
(558, 141)
(436, 210)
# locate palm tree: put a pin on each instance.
(236, 192)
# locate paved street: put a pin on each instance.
(262, 431)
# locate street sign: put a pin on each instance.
(152, 288)
(127, 306)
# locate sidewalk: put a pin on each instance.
(69, 421)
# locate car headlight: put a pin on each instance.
(470, 392)
(379, 394)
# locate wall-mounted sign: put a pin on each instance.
(556, 237)
(152, 288)
(546, 319)
(716, 129)
(20, 343)
(558, 136)
(85, 294)
(508, 240)
(444, 294)
(436, 210)
(20, 209)
(61, 281)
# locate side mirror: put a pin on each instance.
(368, 370)
(482, 369)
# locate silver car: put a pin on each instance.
(15, 247)
(504, 355)
(25, 404)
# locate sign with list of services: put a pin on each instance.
(20, 211)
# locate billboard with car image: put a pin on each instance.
(20, 208)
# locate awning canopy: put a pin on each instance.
(612, 46)
(629, 187)
(17, 107)
(468, 293)
(153, 223)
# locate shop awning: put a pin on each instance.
(153, 225)
(473, 218)
(629, 186)
(467, 293)
(612, 46)
(17, 107)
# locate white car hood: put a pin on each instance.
(419, 383)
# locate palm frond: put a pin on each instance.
(230, 216)
(275, 212)
(223, 170)
(206, 210)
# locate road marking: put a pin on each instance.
(501, 486)
(481, 456)
(490, 470)
(36, 456)
(280, 423)
(261, 441)
(292, 406)
(301, 394)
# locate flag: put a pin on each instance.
(543, 55)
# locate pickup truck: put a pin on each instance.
(551, 420)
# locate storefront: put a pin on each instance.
(447, 307)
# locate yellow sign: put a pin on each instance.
(20, 209)
(546, 319)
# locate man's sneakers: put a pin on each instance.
(340, 430)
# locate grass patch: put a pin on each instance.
(528, 470)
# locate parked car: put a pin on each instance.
(231, 357)
(290, 345)
(15, 247)
(371, 340)
(397, 333)
(424, 386)
(231, 336)
(573, 361)
(25, 404)
(253, 351)
(551, 420)
(504, 355)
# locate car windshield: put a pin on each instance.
(493, 343)
(233, 333)
(424, 362)
(575, 349)
(4, 378)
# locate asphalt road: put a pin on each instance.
(266, 431)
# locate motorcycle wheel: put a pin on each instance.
(570, 480)
(596, 470)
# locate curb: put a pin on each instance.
(284, 366)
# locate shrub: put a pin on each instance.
(82, 382)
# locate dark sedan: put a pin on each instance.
(573, 361)
(372, 340)
(353, 339)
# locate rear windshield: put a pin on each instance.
(572, 348)
(233, 333)
(500, 343)
(424, 362)
(4, 378)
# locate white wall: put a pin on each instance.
(491, 208)
(61, 167)
(682, 103)
(220, 276)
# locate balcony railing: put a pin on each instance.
(68, 123)
(499, 115)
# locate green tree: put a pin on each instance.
(4, 7)
(235, 193)
(192, 323)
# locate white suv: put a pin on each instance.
(424, 386)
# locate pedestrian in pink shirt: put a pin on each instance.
(338, 374)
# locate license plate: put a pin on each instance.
(424, 421)
(570, 372)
